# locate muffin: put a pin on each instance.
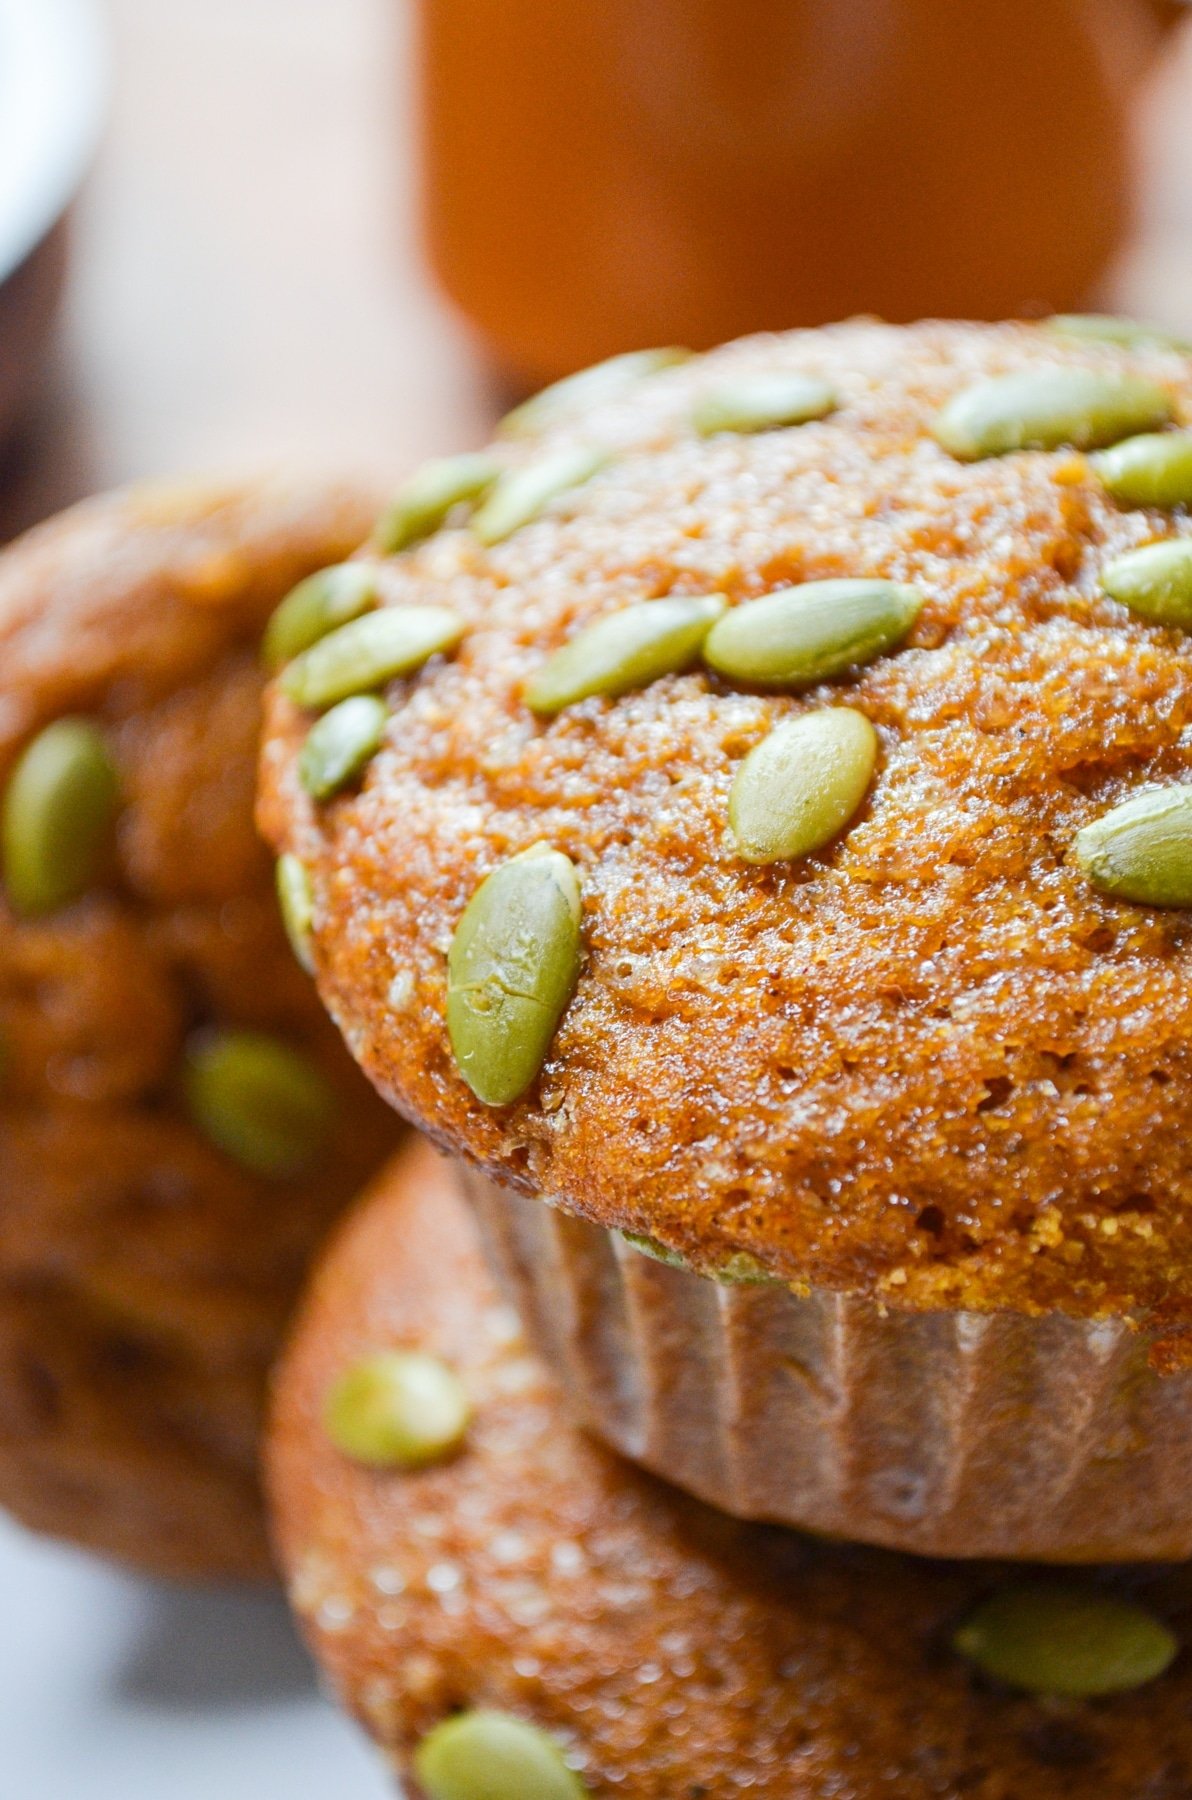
(772, 852)
(179, 1122)
(536, 1584)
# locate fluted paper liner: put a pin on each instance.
(946, 1433)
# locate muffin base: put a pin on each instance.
(952, 1434)
(671, 1652)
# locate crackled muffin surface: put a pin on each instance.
(929, 1060)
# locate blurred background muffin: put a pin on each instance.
(178, 1123)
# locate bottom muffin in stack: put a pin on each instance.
(515, 1614)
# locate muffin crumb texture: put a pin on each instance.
(928, 1062)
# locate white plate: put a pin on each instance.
(53, 82)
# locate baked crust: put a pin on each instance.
(144, 1278)
(675, 1653)
(929, 1063)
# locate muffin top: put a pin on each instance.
(888, 1028)
(672, 1653)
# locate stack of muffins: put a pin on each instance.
(744, 818)
(746, 822)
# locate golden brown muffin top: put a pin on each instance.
(674, 1653)
(929, 1062)
(145, 1274)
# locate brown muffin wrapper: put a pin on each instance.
(948, 1433)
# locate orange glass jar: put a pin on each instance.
(601, 174)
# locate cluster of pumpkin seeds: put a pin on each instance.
(335, 648)
(332, 646)
(802, 784)
(514, 958)
(1142, 849)
(344, 651)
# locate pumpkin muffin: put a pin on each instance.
(536, 1609)
(178, 1120)
(838, 685)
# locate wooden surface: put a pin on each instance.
(247, 288)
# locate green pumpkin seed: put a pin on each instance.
(339, 744)
(493, 1756)
(523, 493)
(421, 506)
(1155, 582)
(259, 1101)
(801, 785)
(766, 401)
(398, 1409)
(1044, 409)
(511, 971)
(59, 810)
(295, 897)
(369, 652)
(743, 1270)
(1065, 1641)
(740, 1270)
(656, 1252)
(603, 381)
(625, 650)
(320, 604)
(1142, 850)
(799, 635)
(1152, 470)
(1106, 328)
